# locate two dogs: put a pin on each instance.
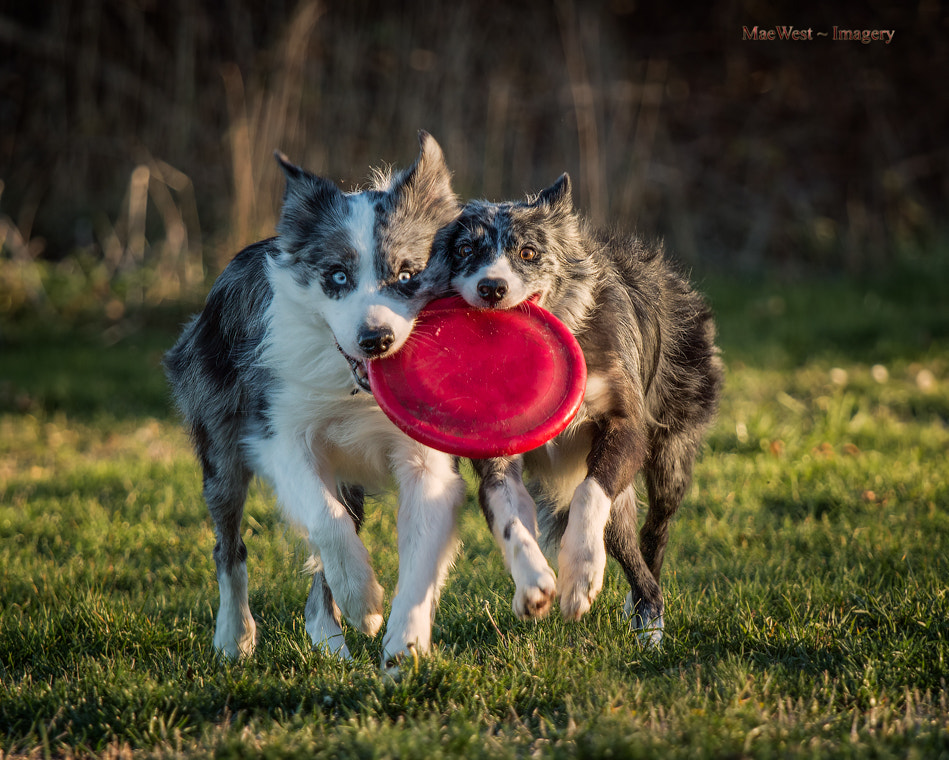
(270, 378)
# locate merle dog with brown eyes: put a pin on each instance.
(654, 378)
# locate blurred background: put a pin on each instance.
(136, 136)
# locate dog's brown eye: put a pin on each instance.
(465, 250)
(527, 253)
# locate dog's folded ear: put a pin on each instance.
(558, 197)
(428, 181)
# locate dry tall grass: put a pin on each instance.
(137, 138)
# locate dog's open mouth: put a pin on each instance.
(522, 304)
(359, 370)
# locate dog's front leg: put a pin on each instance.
(302, 491)
(323, 618)
(582, 558)
(430, 491)
(512, 516)
(225, 488)
(615, 456)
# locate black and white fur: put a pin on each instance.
(268, 378)
(654, 377)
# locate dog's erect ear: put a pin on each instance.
(307, 198)
(428, 180)
(291, 170)
(305, 192)
(558, 197)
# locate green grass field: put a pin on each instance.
(806, 581)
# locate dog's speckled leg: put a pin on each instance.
(512, 517)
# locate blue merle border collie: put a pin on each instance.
(268, 376)
(654, 377)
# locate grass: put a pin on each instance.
(807, 603)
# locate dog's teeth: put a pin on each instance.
(361, 375)
(358, 368)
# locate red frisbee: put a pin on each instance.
(482, 383)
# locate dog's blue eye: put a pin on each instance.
(340, 277)
(405, 276)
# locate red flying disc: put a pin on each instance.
(482, 383)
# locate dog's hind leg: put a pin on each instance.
(668, 473)
(323, 619)
(644, 603)
(430, 491)
(668, 477)
(686, 397)
(226, 479)
(512, 517)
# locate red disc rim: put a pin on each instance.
(482, 383)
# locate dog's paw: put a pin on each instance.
(358, 596)
(581, 577)
(234, 650)
(649, 631)
(534, 582)
(533, 601)
(647, 623)
(408, 635)
(326, 633)
(394, 664)
(333, 645)
(368, 617)
(578, 591)
(235, 635)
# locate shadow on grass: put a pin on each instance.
(899, 315)
(88, 368)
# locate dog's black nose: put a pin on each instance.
(377, 341)
(492, 290)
